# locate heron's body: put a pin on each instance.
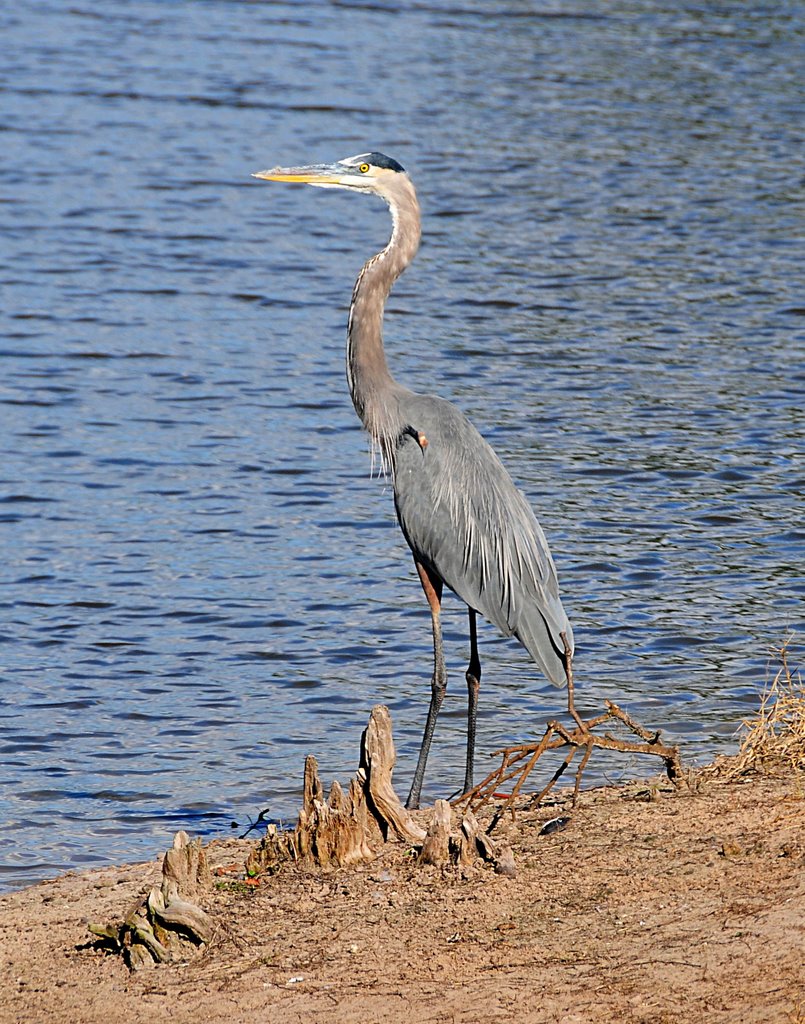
(466, 523)
(479, 534)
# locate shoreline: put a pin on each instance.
(651, 906)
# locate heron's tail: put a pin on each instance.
(542, 639)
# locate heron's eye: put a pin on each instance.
(364, 168)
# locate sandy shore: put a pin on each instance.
(650, 907)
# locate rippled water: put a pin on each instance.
(201, 583)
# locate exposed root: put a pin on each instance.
(344, 829)
(165, 925)
(350, 829)
(518, 762)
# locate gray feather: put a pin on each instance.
(463, 517)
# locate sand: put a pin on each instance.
(651, 906)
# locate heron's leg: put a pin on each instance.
(473, 686)
(432, 585)
(571, 703)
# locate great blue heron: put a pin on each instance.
(466, 523)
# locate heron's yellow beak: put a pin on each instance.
(305, 179)
(316, 174)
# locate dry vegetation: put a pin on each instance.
(774, 738)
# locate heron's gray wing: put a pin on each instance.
(463, 517)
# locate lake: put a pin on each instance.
(201, 581)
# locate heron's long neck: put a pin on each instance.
(371, 385)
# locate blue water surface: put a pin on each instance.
(201, 582)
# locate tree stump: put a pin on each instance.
(166, 924)
(436, 848)
(344, 830)
(443, 848)
(340, 832)
(347, 829)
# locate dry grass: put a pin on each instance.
(774, 738)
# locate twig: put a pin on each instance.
(558, 736)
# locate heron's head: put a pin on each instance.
(366, 172)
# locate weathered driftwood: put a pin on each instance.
(350, 828)
(377, 764)
(443, 848)
(337, 832)
(341, 831)
(518, 762)
(166, 924)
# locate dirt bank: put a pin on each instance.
(688, 907)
